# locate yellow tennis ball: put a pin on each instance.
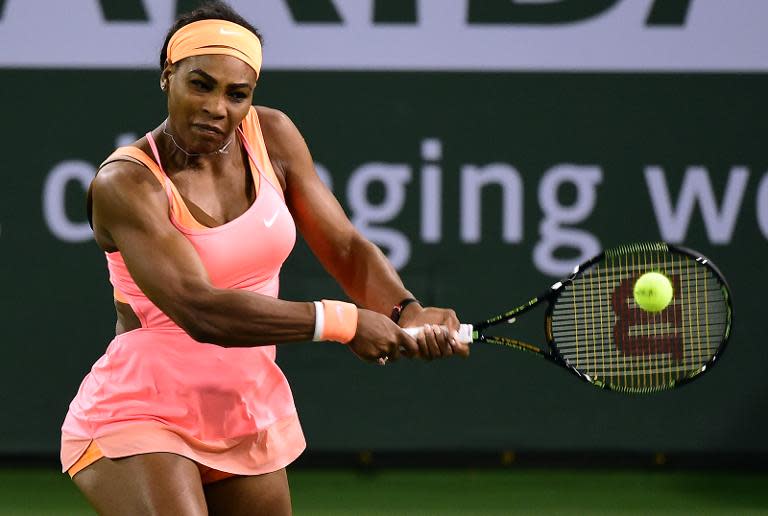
(653, 292)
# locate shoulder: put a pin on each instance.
(129, 165)
(272, 119)
(125, 184)
(123, 194)
(123, 175)
(277, 127)
(281, 136)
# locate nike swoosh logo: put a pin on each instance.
(268, 222)
(228, 32)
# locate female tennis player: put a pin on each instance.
(187, 411)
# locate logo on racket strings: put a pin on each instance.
(641, 333)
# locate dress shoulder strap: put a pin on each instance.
(139, 155)
(253, 140)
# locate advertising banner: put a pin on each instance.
(621, 35)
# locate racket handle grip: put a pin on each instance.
(465, 332)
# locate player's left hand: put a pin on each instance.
(440, 337)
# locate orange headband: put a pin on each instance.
(216, 37)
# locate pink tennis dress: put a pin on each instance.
(156, 389)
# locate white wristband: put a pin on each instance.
(319, 320)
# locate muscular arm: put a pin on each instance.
(130, 213)
(356, 264)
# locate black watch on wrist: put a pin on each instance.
(397, 310)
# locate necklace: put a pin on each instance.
(222, 150)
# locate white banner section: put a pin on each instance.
(462, 35)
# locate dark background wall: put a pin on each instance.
(650, 156)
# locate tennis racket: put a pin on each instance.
(594, 328)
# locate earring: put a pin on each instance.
(163, 85)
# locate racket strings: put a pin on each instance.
(512, 343)
(599, 329)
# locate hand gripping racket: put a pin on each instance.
(594, 328)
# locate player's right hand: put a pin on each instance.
(378, 339)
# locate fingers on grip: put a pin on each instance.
(465, 332)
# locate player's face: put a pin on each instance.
(208, 97)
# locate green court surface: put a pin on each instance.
(27, 491)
